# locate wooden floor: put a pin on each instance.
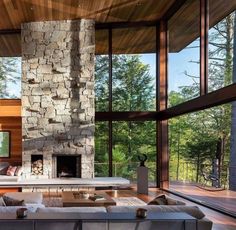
(220, 221)
(223, 199)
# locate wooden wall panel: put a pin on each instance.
(10, 120)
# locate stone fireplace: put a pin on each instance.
(58, 95)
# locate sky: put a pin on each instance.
(178, 63)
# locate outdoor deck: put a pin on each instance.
(223, 199)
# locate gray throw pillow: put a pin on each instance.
(13, 202)
(2, 203)
(159, 200)
(3, 168)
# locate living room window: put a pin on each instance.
(221, 45)
(184, 54)
(202, 153)
(10, 77)
(125, 81)
(133, 69)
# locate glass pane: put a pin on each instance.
(101, 72)
(134, 69)
(131, 139)
(10, 77)
(184, 54)
(202, 155)
(221, 44)
(101, 149)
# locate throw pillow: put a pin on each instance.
(2, 203)
(11, 170)
(13, 202)
(18, 171)
(3, 168)
(171, 201)
(159, 200)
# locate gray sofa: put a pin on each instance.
(34, 205)
(202, 223)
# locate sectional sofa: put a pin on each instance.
(35, 207)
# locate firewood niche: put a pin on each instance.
(37, 164)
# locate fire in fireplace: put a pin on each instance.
(68, 166)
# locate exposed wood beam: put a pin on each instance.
(125, 116)
(10, 31)
(221, 96)
(204, 26)
(172, 10)
(162, 126)
(100, 26)
(110, 155)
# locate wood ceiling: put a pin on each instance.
(15, 12)
(183, 26)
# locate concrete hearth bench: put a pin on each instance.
(67, 182)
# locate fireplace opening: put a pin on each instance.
(37, 164)
(68, 166)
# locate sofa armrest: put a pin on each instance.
(204, 224)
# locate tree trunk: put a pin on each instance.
(177, 170)
(232, 165)
(198, 167)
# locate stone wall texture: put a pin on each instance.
(58, 92)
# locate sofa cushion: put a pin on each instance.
(18, 171)
(171, 201)
(2, 203)
(28, 197)
(11, 170)
(159, 200)
(12, 209)
(13, 202)
(165, 200)
(3, 168)
(191, 210)
(72, 209)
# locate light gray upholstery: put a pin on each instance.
(60, 225)
(72, 209)
(202, 223)
(191, 210)
(28, 197)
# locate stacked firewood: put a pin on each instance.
(37, 167)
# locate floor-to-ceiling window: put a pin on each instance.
(202, 144)
(125, 81)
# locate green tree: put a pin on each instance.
(133, 90)
(133, 86)
(8, 75)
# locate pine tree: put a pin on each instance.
(8, 75)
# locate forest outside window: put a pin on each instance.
(101, 71)
(134, 69)
(129, 140)
(184, 54)
(201, 144)
(10, 77)
(221, 38)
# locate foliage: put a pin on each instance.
(198, 138)
(8, 76)
(133, 90)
